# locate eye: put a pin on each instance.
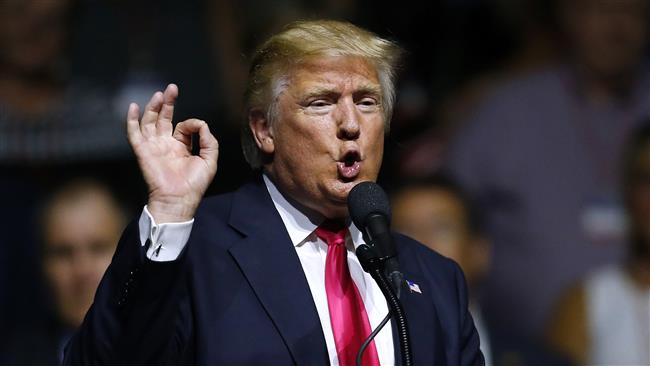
(368, 104)
(319, 106)
(319, 103)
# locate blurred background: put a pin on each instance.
(519, 147)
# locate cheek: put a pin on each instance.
(292, 126)
(99, 266)
(301, 152)
(58, 276)
(375, 144)
(307, 142)
(104, 262)
(379, 144)
(377, 128)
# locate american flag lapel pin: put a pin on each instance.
(413, 287)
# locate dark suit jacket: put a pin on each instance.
(238, 296)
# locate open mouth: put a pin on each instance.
(350, 165)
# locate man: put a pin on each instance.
(81, 223)
(266, 276)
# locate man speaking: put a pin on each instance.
(268, 275)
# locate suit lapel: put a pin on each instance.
(424, 327)
(270, 264)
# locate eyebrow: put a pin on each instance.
(369, 90)
(319, 91)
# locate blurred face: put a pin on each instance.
(639, 196)
(32, 33)
(438, 219)
(609, 36)
(80, 240)
(329, 134)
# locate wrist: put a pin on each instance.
(167, 212)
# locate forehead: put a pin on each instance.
(333, 72)
(88, 218)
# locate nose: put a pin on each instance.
(348, 121)
(85, 268)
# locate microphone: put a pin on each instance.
(370, 211)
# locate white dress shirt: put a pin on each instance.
(168, 240)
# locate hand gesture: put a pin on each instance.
(176, 179)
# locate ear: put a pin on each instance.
(262, 131)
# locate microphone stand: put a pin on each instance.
(374, 265)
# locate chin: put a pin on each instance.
(337, 212)
(337, 191)
(341, 189)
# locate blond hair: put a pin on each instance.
(300, 40)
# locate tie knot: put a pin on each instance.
(331, 232)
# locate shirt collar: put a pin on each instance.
(299, 225)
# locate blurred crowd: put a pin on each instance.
(519, 147)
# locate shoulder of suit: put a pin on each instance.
(211, 223)
(217, 209)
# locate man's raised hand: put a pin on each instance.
(176, 179)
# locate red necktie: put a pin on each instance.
(348, 316)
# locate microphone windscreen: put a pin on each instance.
(367, 198)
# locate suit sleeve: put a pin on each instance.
(470, 353)
(141, 314)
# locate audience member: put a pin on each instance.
(605, 320)
(540, 157)
(45, 116)
(80, 226)
(436, 212)
(481, 45)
